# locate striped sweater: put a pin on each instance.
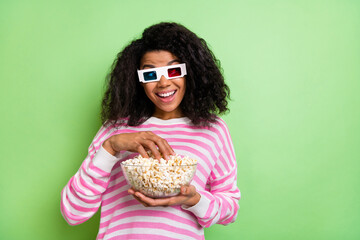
(100, 182)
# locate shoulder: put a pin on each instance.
(220, 128)
(108, 129)
(219, 123)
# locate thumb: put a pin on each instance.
(184, 190)
(188, 190)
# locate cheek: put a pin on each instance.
(148, 88)
(183, 85)
(180, 83)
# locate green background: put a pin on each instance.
(294, 72)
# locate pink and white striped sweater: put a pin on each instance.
(100, 182)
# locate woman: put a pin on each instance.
(162, 96)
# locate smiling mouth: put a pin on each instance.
(165, 95)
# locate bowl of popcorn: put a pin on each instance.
(159, 178)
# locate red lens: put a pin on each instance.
(174, 72)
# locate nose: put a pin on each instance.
(163, 82)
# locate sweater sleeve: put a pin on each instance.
(219, 203)
(81, 197)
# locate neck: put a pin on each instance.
(168, 115)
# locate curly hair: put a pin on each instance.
(206, 92)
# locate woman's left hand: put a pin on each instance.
(188, 196)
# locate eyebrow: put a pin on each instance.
(152, 66)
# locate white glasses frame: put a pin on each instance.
(161, 71)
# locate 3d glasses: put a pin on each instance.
(154, 74)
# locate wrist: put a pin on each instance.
(108, 147)
(193, 200)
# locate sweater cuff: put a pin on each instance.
(104, 160)
(199, 209)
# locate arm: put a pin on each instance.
(81, 197)
(219, 202)
(218, 205)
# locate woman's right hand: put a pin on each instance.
(139, 142)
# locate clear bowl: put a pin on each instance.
(158, 181)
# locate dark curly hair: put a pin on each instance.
(206, 92)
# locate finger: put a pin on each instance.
(151, 145)
(164, 202)
(151, 201)
(132, 192)
(164, 148)
(167, 146)
(183, 190)
(139, 200)
(161, 143)
(140, 149)
(188, 190)
(172, 152)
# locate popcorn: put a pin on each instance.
(159, 178)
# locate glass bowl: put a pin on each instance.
(158, 181)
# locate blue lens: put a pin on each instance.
(148, 76)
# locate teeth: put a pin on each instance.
(166, 94)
